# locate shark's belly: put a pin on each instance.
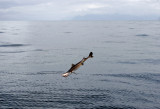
(74, 68)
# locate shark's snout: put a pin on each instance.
(65, 74)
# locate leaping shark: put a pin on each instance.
(74, 67)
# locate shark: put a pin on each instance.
(74, 67)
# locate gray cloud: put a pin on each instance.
(69, 9)
(15, 3)
(7, 4)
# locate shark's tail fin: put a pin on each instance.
(91, 54)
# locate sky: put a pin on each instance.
(79, 10)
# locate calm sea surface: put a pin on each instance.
(124, 73)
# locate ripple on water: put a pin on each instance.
(150, 61)
(1, 32)
(114, 107)
(12, 52)
(68, 32)
(13, 45)
(54, 99)
(141, 76)
(116, 42)
(38, 50)
(45, 73)
(142, 35)
(141, 61)
(126, 62)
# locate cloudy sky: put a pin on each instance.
(79, 9)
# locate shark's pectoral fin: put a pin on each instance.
(74, 72)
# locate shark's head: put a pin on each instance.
(65, 74)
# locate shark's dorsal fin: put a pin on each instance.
(72, 65)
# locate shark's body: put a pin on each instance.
(76, 66)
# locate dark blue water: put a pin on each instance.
(124, 73)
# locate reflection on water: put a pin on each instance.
(124, 73)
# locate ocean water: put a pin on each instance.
(124, 73)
